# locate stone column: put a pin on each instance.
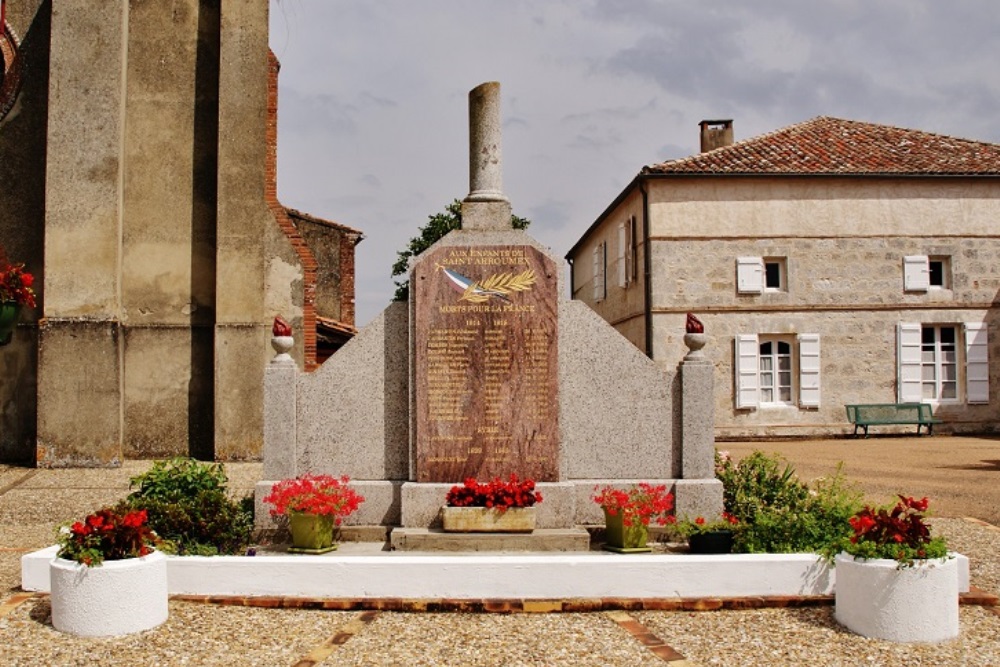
(280, 431)
(486, 207)
(80, 346)
(698, 493)
(697, 411)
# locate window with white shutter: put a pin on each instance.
(747, 380)
(809, 369)
(977, 367)
(622, 254)
(749, 275)
(600, 264)
(908, 349)
(916, 273)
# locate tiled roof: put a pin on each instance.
(329, 223)
(826, 145)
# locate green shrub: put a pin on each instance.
(188, 507)
(777, 512)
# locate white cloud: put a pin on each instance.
(373, 110)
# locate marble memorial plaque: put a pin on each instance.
(486, 364)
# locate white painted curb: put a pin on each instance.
(117, 597)
(524, 576)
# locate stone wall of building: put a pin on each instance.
(23, 136)
(140, 146)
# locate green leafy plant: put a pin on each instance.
(895, 532)
(107, 534)
(190, 509)
(777, 512)
(437, 226)
(700, 525)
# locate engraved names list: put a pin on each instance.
(486, 364)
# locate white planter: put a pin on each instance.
(875, 598)
(115, 598)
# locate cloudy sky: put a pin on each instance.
(373, 116)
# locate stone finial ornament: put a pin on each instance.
(281, 327)
(694, 325)
(281, 341)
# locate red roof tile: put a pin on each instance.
(826, 146)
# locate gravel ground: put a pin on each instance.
(201, 634)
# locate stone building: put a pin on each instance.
(137, 182)
(832, 262)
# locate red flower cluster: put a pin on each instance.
(15, 285)
(903, 524)
(108, 534)
(498, 494)
(315, 494)
(641, 503)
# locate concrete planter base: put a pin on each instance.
(918, 604)
(117, 597)
(487, 520)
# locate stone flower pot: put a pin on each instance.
(117, 597)
(875, 598)
(487, 520)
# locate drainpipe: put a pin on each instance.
(572, 277)
(647, 264)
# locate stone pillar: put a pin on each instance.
(280, 409)
(486, 207)
(697, 411)
(80, 348)
(244, 224)
(698, 493)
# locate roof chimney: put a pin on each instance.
(716, 134)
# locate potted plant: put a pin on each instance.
(15, 292)
(107, 577)
(628, 513)
(499, 505)
(709, 537)
(314, 504)
(893, 580)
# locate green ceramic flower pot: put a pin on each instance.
(311, 533)
(624, 539)
(9, 311)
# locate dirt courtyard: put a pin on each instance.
(960, 474)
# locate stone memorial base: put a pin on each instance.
(539, 540)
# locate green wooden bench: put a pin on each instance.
(874, 414)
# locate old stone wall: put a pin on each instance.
(850, 291)
(23, 139)
(139, 148)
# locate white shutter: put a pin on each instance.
(630, 250)
(747, 365)
(908, 362)
(809, 370)
(599, 264)
(916, 273)
(977, 367)
(622, 245)
(749, 275)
